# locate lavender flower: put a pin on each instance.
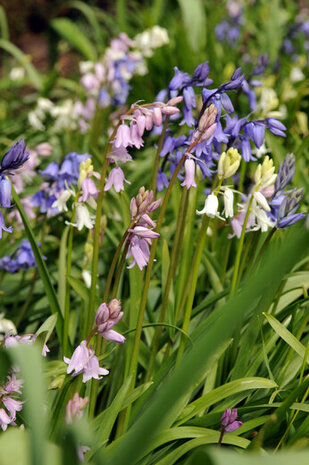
(12, 405)
(229, 422)
(75, 408)
(108, 316)
(15, 157)
(84, 361)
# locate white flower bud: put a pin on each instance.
(228, 163)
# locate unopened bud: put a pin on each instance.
(114, 308)
(228, 163)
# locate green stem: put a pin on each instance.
(96, 238)
(119, 270)
(27, 301)
(194, 275)
(114, 262)
(239, 249)
(68, 287)
(157, 159)
(171, 272)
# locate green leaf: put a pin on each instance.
(211, 437)
(223, 457)
(72, 33)
(62, 268)
(286, 335)
(194, 19)
(89, 14)
(24, 60)
(29, 361)
(4, 25)
(164, 408)
(79, 287)
(50, 292)
(222, 392)
(48, 326)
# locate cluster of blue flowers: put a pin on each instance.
(12, 160)
(57, 177)
(22, 259)
(285, 202)
(231, 130)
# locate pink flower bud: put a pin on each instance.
(175, 100)
(157, 116)
(114, 308)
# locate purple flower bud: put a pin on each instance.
(135, 137)
(157, 116)
(5, 192)
(246, 150)
(102, 315)
(258, 134)
(290, 219)
(15, 157)
(286, 172)
(75, 407)
(141, 231)
(114, 308)
(228, 421)
(226, 103)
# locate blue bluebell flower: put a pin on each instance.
(5, 192)
(22, 258)
(15, 157)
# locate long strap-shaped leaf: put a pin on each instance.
(50, 292)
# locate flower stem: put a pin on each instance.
(171, 272)
(194, 275)
(68, 288)
(239, 249)
(157, 159)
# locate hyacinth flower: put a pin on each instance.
(74, 412)
(26, 339)
(22, 259)
(107, 81)
(84, 361)
(14, 158)
(108, 316)
(143, 117)
(11, 405)
(140, 235)
(285, 203)
(229, 423)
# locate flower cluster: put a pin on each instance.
(12, 160)
(143, 117)
(141, 233)
(7, 398)
(284, 203)
(108, 316)
(22, 259)
(229, 422)
(229, 29)
(84, 360)
(107, 81)
(26, 339)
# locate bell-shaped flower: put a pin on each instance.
(75, 408)
(116, 179)
(89, 190)
(228, 198)
(5, 192)
(189, 180)
(83, 217)
(210, 207)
